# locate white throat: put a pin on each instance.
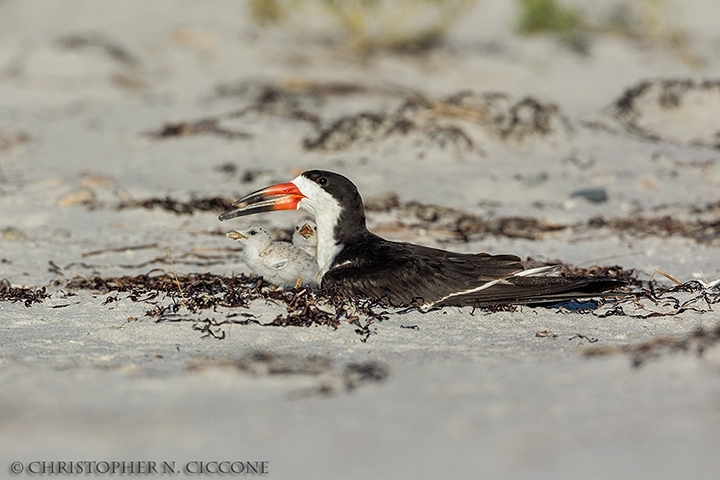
(326, 211)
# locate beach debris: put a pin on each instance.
(652, 300)
(461, 121)
(100, 42)
(331, 377)
(594, 195)
(13, 234)
(197, 127)
(79, 196)
(382, 203)
(532, 179)
(640, 353)
(229, 168)
(9, 140)
(96, 179)
(465, 226)
(677, 111)
(583, 337)
(666, 275)
(27, 295)
(180, 207)
(161, 290)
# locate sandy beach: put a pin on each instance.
(127, 127)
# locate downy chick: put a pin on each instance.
(280, 263)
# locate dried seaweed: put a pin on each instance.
(172, 294)
(27, 296)
(331, 377)
(697, 341)
(205, 125)
(201, 291)
(11, 140)
(444, 121)
(654, 301)
(702, 231)
(195, 204)
(466, 226)
(99, 41)
(649, 98)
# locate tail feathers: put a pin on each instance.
(530, 290)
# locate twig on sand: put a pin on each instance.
(183, 301)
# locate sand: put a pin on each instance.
(87, 87)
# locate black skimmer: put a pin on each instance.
(280, 263)
(305, 237)
(354, 262)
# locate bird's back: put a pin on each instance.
(401, 273)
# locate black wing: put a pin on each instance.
(538, 290)
(403, 274)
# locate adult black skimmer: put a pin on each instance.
(354, 262)
(280, 263)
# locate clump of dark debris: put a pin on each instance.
(195, 204)
(101, 42)
(467, 226)
(702, 231)
(331, 377)
(445, 122)
(697, 341)
(205, 125)
(27, 296)
(652, 301)
(638, 109)
(170, 295)
(462, 225)
(441, 122)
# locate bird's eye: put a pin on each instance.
(252, 232)
(322, 181)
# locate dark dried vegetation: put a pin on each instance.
(27, 296)
(442, 122)
(696, 342)
(171, 296)
(205, 125)
(195, 204)
(630, 111)
(332, 377)
(466, 226)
